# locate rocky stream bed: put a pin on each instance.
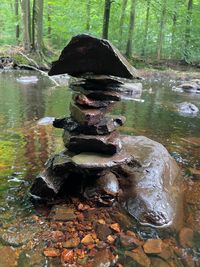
(142, 211)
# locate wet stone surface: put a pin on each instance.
(98, 95)
(186, 108)
(153, 198)
(107, 125)
(86, 116)
(192, 86)
(108, 144)
(91, 160)
(86, 102)
(103, 190)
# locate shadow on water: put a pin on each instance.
(25, 145)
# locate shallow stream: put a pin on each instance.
(25, 145)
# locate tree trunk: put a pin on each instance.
(129, 47)
(25, 7)
(106, 18)
(146, 28)
(37, 25)
(121, 23)
(188, 30)
(161, 30)
(49, 7)
(88, 9)
(174, 22)
(17, 20)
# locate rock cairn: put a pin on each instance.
(97, 162)
(92, 143)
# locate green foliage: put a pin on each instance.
(65, 18)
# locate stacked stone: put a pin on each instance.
(89, 129)
(96, 158)
(93, 146)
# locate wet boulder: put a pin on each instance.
(151, 189)
(50, 181)
(192, 86)
(83, 52)
(186, 108)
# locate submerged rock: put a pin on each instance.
(62, 213)
(103, 258)
(138, 256)
(83, 52)
(152, 193)
(8, 256)
(187, 108)
(28, 79)
(188, 87)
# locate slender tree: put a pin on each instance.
(26, 17)
(188, 30)
(146, 28)
(88, 11)
(129, 47)
(37, 25)
(106, 18)
(122, 17)
(161, 29)
(174, 24)
(49, 10)
(17, 20)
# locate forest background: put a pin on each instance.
(148, 30)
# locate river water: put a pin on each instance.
(25, 145)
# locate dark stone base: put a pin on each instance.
(147, 176)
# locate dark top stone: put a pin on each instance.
(87, 54)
